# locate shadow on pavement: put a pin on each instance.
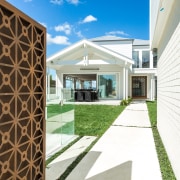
(122, 171)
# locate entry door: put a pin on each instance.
(139, 87)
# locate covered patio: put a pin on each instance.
(87, 67)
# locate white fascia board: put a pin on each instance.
(144, 71)
(66, 50)
(81, 62)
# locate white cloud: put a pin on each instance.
(58, 2)
(44, 24)
(66, 28)
(122, 33)
(75, 2)
(79, 34)
(88, 19)
(61, 40)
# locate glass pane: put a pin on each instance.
(145, 59)
(135, 56)
(59, 122)
(107, 86)
(51, 83)
(67, 116)
(155, 62)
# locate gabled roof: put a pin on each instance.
(140, 42)
(135, 42)
(109, 38)
(75, 53)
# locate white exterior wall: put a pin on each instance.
(169, 85)
(169, 99)
(121, 47)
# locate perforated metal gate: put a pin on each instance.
(22, 95)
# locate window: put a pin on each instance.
(155, 58)
(51, 80)
(135, 57)
(107, 86)
(155, 62)
(145, 59)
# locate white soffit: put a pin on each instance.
(165, 7)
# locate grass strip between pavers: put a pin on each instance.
(165, 165)
(49, 160)
(77, 160)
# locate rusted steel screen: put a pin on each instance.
(22, 95)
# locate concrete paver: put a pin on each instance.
(60, 164)
(135, 115)
(126, 151)
(56, 142)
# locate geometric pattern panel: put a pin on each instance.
(22, 95)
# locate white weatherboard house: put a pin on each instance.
(165, 38)
(116, 68)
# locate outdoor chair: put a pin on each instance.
(80, 96)
(88, 96)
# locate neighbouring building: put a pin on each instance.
(116, 67)
(165, 39)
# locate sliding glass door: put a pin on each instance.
(107, 86)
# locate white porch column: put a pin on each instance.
(125, 83)
(152, 88)
(140, 59)
(48, 86)
(58, 89)
(151, 59)
(60, 76)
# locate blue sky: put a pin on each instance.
(69, 21)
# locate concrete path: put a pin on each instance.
(125, 152)
(57, 167)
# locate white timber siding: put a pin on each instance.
(169, 87)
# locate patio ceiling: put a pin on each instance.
(87, 53)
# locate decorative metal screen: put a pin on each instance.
(22, 96)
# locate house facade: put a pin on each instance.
(115, 67)
(165, 39)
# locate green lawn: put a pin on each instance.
(55, 109)
(94, 120)
(166, 169)
(90, 120)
